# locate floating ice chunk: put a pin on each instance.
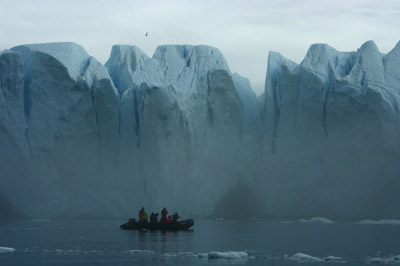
(227, 255)
(304, 257)
(187, 254)
(6, 250)
(384, 259)
(320, 220)
(384, 222)
(139, 252)
(332, 258)
(168, 255)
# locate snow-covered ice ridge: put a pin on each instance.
(82, 139)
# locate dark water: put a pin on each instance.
(265, 243)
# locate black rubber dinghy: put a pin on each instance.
(133, 225)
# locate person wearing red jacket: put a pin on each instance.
(164, 213)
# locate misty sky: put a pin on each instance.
(245, 31)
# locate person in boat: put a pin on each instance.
(143, 215)
(175, 217)
(145, 218)
(153, 217)
(169, 219)
(164, 213)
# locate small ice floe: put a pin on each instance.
(383, 222)
(202, 255)
(384, 259)
(187, 254)
(308, 258)
(6, 250)
(232, 255)
(139, 252)
(304, 257)
(168, 255)
(332, 258)
(319, 220)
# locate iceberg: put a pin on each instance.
(329, 141)
(179, 129)
(182, 113)
(98, 141)
(69, 126)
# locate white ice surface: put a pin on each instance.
(71, 55)
(6, 250)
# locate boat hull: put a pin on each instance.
(133, 225)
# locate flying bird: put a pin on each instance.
(146, 34)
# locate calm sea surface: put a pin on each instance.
(254, 242)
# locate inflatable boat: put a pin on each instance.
(132, 224)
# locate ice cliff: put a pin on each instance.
(178, 129)
(183, 122)
(80, 142)
(331, 141)
(60, 130)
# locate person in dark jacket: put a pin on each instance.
(154, 218)
(175, 217)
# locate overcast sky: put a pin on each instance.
(245, 31)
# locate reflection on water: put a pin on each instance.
(163, 241)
